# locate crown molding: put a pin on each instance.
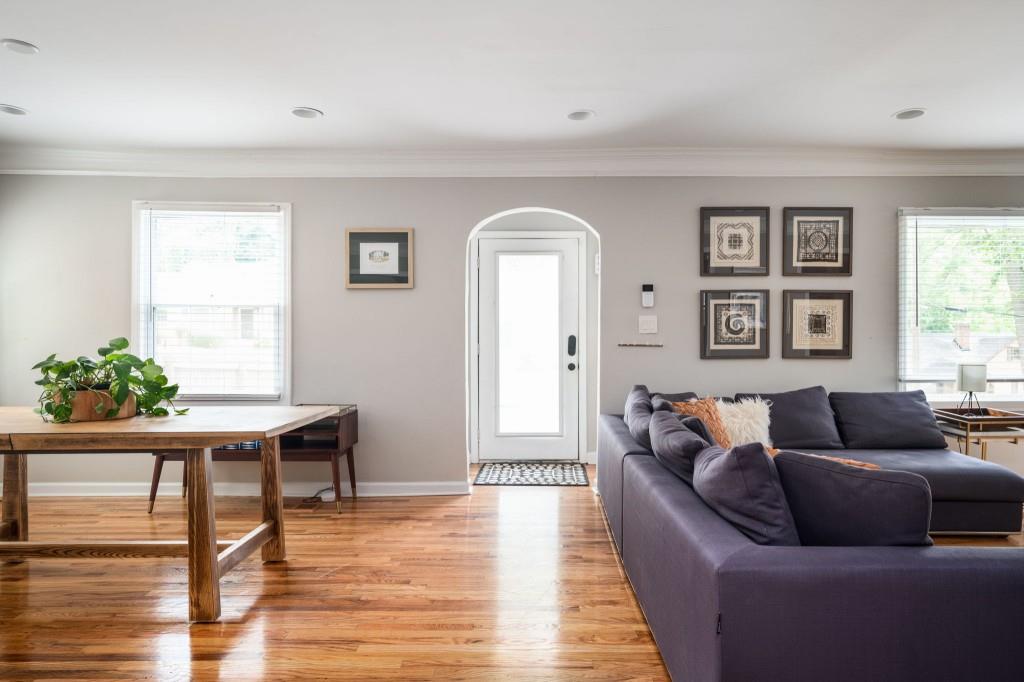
(620, 162)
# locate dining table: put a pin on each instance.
(23, 432)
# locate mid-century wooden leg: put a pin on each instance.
(158, 467)
(203, 572)
(352, 471)
(184, 477)
(15, 502)
(336, 478)
(272, 498)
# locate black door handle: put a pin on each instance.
(572, 346)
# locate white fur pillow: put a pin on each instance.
(746, 421)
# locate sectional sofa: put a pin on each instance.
(724, 608)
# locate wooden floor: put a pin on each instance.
(505, 584)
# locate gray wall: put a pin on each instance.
(65, 274)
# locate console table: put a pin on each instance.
(326, 440)
(979, 429)
(24, 433)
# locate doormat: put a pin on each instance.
(532, 473)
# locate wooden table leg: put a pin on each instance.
(15, 502)
(203, 573)
(336, 480)
(272, 498)
(352, 471)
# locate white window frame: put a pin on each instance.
(286, 214)
(1006, 400)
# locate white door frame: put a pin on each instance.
(474, 331)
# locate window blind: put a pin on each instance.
(212, 298)
(961, 297)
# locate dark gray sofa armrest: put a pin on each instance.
(879, 613)
(614, 444)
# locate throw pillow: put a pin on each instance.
(800, 419)
(674, 445)
(638, 415)
(886, 420)
(746, 421)
(743, 486)
(840, 505)
(706, 410)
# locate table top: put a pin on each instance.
(22, 430)
(1009, 433)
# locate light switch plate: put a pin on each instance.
(647, 324)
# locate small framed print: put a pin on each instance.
(734, 324)
(817, 241)
(379, 257)
(733, 241)
(817, 324)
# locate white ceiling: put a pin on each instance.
(471, 75)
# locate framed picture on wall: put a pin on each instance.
(733, 324)
(817, 241)
(379, 257)
(817, 324)
(733, 241)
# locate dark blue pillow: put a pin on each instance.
(800, 419)
(637, 414)
(840, 505)
(676, 397)
(743, 486)
(674, 445)
(886, 420)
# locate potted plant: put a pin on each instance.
(118, 385)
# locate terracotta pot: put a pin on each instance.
(83, 406)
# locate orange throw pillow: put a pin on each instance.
(706, 410)
(841, 460)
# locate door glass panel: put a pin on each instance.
(529, 371)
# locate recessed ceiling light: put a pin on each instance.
(11, 109)
(307, 112)
(19, 46)
(582, 115)
(907, 114)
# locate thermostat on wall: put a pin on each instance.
(647, 295)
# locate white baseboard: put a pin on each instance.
(235, 489)
(591, 457)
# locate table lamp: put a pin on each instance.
(971, 379)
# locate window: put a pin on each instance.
(211, 285)
(961, 298)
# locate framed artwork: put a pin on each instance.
(817, 241)
(379, 258)
(733, 241)
(817, 324)
(733, 324)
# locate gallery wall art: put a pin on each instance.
(734, 324)
(817, 324)
(734, 241)
(817, 241)
(379, 258)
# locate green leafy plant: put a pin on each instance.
(116, 372)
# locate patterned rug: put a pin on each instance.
(532, 473)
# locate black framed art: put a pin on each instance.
(817, 241)
(733, 241)
(379, 257)
(817, 324)
(733, 324)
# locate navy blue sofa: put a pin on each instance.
(723, 608)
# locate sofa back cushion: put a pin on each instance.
(886, 420)
(839, 505)
(743, 486)
(637, 414)
(800, 419)
(675, 397)
(675, 445)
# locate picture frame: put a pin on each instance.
(379, 258)
(734, 241)
(817, 324)
(734, 324)
(817, 241)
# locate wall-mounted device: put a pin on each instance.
(647, 295)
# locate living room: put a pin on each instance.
(325, 225)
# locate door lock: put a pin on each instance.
(572, 366)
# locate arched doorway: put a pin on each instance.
(521, 241)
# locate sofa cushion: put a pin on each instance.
(951, 475)
(698, 427)
(637, 414)
(674, 445)
(800, 419)
(886, 420)
(839, 505)
(706, 410)
(743, 486)
(675, 397)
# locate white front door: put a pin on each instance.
(529, 362)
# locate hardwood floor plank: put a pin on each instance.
(505, 584)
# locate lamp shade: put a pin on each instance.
(972, 378)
